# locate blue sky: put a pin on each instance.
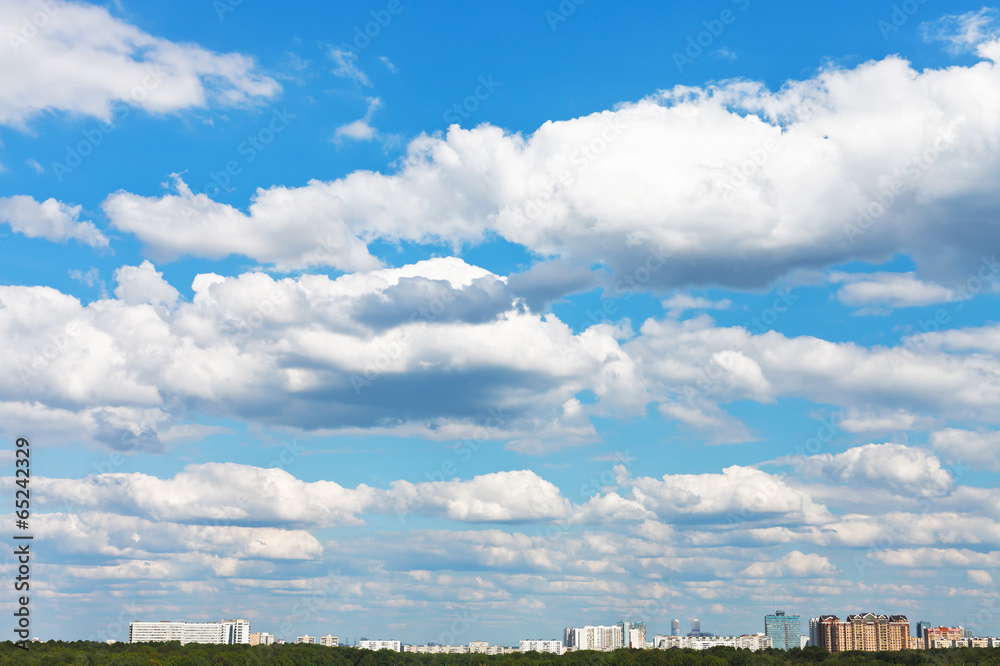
(534, 314)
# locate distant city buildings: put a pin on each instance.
(633, 634)
(474, 647)
(868, 632)
(261, 638)
(225, 632)
(380, 645)
(784, 630)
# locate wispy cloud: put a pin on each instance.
(347, 66)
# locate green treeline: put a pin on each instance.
(84, 653)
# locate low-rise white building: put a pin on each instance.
(306, 640)
(380, 645)
(541, 645)
(752, 642)
(226, 632)
(437, 649)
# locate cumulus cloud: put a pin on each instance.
(980, 577)
(884, 421)
(980, 449)
(663, 178)
(678, 304)
(175, 224)
(890, 290)
(920, 558)
(794, 564)
(143, 284)
(899, 468)
(737, 494)
(444, 343)
(361, 129)
(693, 366)
(49, 219)
(499, 497)
(82, 60)
(257, 497)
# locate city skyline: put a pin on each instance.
(467, 321)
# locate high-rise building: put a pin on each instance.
(675, 627)
(329, 640)
(594, 637)
(306, 640)
(814, 631)
(633, 634)
(784, 630)
(864, 631)
(695, 627)
(922, 626)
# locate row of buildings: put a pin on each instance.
(871, 632)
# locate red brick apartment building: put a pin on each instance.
(864, 631)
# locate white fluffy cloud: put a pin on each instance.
(49, 219)
(281, 229)
(692, 367)
(271, 350)
(979, 449)
(143, 284)
(891, 290)
(230, 494)
(687, 187)
(896, 467)
(737, 495)
(499, 497)
(78, 58)
(446, 336)
(794, 564)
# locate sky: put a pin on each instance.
(451, 321)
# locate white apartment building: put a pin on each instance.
(266, 638)
(479, 647)
(238, 631)
(380, 645)
(226, 632)
(555, 647)
(329, 640)
(752, 642)
(437, 649)
(594, 637)
(307, 640)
